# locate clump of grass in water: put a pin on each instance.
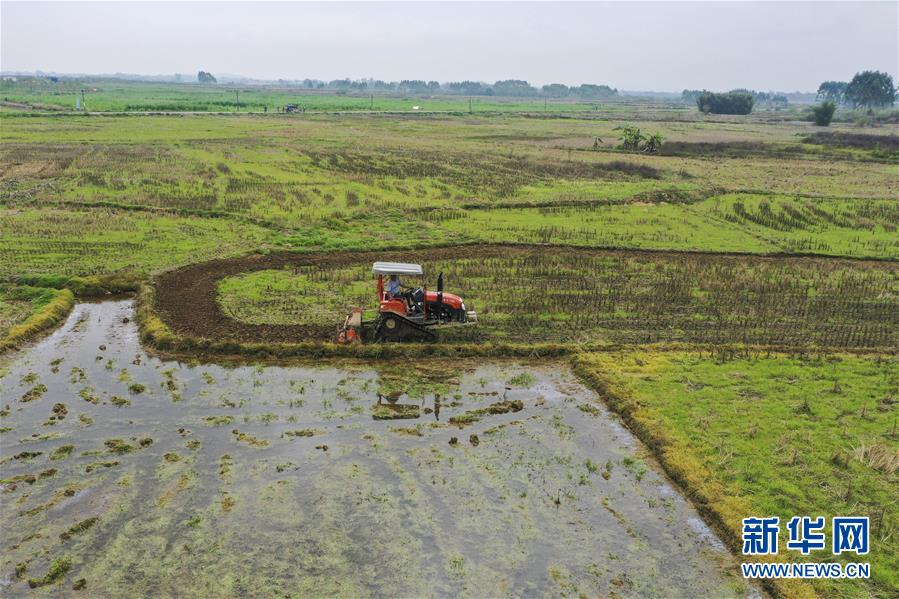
(304, 432)
(499, 407)
(249, 439)
(637, 467)
(25, 478)
(395, 411)
(77, 375)
(227, 503)
(225, 463)
(469, 417)
(118, 446)
(96, 465)
(79, 528)
(58, 569)
(407, 430)
(27, 455)
(525, 379)
(34, 393)
(589, 409)
(218, 420)
(87, 394)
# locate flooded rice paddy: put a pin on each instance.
(127, 475)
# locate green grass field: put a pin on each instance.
(782, 436)
(130, 196)
(123, 96)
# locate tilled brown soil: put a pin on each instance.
(186, 297)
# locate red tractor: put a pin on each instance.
(405, 315)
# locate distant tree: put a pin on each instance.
(514, 87)
(348, 84)
(823, 113)
(433, 86)
(412, 86)
(382, 86)
(556, 90)
(733, 102)
(469, 88)
(870, 89)
(758, 97)
(834, 91)
(204, 77)
(592, 91)
(690, 95)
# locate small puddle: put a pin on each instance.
(261, 480)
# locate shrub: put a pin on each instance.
(653, 143)
(823, 113)
(632, 139)
(728, 103)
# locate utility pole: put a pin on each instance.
(544, 103)
(372, 105)
(469, 104)
(237, 99)
(83, 107)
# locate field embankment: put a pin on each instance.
(27, 311)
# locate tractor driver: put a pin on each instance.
(394, 287)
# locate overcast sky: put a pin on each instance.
(782, 46)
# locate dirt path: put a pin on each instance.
(186, 297)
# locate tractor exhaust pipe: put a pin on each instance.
(439, 294)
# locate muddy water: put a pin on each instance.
(231, 499)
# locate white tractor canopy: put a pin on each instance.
(396, 268)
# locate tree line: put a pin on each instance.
(505, 87)
(868, 89)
